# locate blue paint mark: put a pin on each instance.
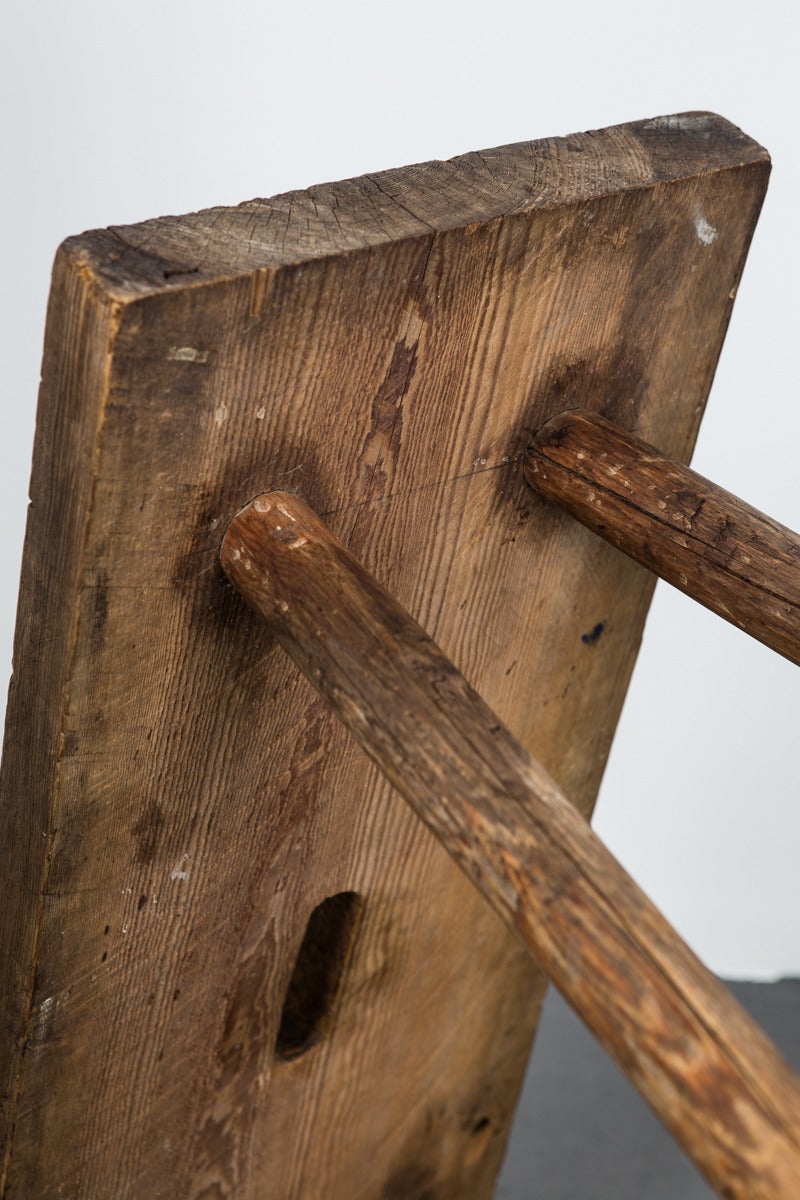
(589, 639)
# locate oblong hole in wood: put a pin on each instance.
(317, 976)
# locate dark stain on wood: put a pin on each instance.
(241, 1047)
(99, 609)
(147, 833)
(390, 394)
(71, 743)
(415, 1181)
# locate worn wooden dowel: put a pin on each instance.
(704, 540)
(707, 1070)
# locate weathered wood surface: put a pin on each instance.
(698, 1059)
(386, 346)
(735, 560)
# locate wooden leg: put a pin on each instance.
(706, 1069)
(728, 556)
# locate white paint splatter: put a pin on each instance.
(187, 354)
(180, 872)
(260, 414)
(706, 233)
(221, 415)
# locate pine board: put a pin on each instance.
(175, 799)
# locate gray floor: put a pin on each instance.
(581, 1132)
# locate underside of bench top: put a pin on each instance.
(178, 807)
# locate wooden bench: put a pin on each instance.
(238, 963)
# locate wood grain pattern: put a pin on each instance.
(733, 559)
(697, 1058)
(386, 347)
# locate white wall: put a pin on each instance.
(113, 113)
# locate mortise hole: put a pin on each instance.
(317, 975)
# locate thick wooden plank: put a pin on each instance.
(695, 1055)
(386, 347)
(735, 560)
(80, 328)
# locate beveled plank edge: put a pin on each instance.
(357, 214)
